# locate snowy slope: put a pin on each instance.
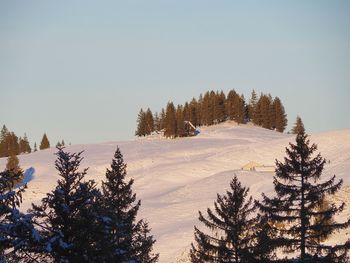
(176, 178)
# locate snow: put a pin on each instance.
(176, 178)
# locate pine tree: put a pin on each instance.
(180, 122)
(143, 244)
(63, 143)
(68, 217)
(3, 145)
(239, 109)
(58, 144)
(232, 238)
(298, 126)
(120, 208)
(149, 122)
(141, 124)
(170, 121)
(280, 115)
(193, 112)
(45, 144)
(162, 119)
(12, 164)
(230, 104)
(219, 107)
(264, 111)
(296, 206)
(157, 123)
(16, 228)
(252, 107)
(12, 144)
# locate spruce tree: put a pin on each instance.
(264, 111)
(298, 126)
(12, 164)
(230, 104)
(180, 122)
(170, 121)
(298, 195)
(17, 233)
(239, 109)
(252, 107)
(143, 244)
(194, 114)
(45, 144)
(3, 145)
(120, 210)
(68, 217)
(232, 238)
(280, 115)
(141, 124)
(149, 121)
(156, 122)
(162, 119)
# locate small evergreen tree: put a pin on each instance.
(45, 144)
(120, 210)
(298, 126)
(232, 239)
(296, 206)
(143, 244)
(12, 164)
(16, 228)
(68, 217)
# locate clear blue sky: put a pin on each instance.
(81, 70)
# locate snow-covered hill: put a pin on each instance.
(176, 178)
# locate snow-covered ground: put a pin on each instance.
(176, 178)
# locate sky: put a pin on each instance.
(81, 70)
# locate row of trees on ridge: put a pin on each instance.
(212, 108)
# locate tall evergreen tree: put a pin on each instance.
(68, 217)
(141, 124)
(45, 144)
(170, 121)
(180, 122)
(162, 119)
(299, 193)
(239, 109)
(298, 126)
(3, 145)
(252, 107)
(120, 209)
(219, 107)
(232, 237)
(156, 122)
(230, 104)
(264, 111)
(149, 122)
(194, 117)
(280, 122)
